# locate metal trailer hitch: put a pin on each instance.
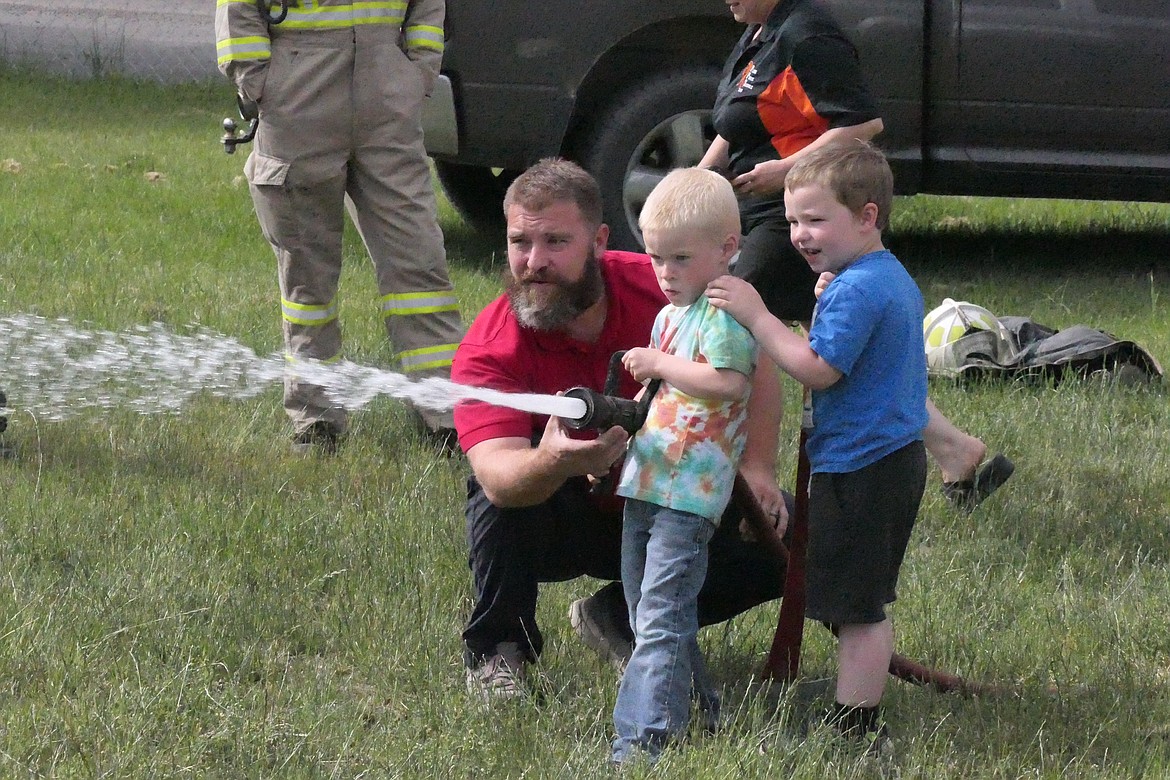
(249, 111)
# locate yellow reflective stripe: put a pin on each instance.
(307, 313)
(218, 3)
(427, 357)
(291, 358)
(251, 47)
(392, 12)
(426, 36)
(401, 304)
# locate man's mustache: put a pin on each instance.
(542, 276)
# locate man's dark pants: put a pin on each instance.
(513, 550)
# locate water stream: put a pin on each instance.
(56, 370)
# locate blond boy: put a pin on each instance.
(679, 471)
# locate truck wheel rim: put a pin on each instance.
(676, 142)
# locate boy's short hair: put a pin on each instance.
(556, 180)
(694, 198)
(856, 172)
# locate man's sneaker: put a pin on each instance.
(500, 676)
(596, 627)
(320, 437)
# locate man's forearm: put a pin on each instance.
(516, 477)
(513, 473)
(765, 412)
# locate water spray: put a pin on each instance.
(61, 370)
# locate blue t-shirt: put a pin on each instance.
(686, 454)
(868, 325)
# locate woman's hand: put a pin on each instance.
(767, 178)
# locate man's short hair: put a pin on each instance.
(556, 180)
(856, 172)
(694, 198)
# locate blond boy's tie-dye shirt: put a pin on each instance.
(686, 455)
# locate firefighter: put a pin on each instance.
(339, 87)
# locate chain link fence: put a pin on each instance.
(160, 40)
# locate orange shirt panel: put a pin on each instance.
(788, 114)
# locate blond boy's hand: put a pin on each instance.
(738, 298)
(643, 363)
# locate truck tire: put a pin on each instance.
(477, 193)
(660, 124)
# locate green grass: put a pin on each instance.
(179, 596)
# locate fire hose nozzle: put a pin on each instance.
(605, 411)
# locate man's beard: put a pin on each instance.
(555, 303)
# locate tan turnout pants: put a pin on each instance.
(340, 125)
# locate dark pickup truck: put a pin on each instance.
(1027, 98)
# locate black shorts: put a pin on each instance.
(859, 525)
(771, 263)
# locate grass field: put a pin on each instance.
(179, 596)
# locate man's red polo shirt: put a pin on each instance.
(499, 353)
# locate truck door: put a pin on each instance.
(889, 37)
(1070, 91)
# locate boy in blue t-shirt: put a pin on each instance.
(679, 470)
(866, 367)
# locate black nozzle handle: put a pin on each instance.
(613, 373)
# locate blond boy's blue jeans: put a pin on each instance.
(664, 563)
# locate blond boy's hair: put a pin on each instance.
(694, 198)
(855, 172)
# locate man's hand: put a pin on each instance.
(514, 473)
(577, 457)
(643, 363)
(739, 299)
(767, 493)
